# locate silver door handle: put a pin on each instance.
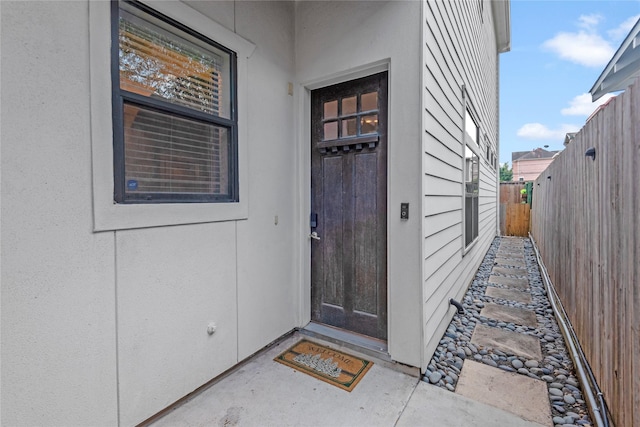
(314, 236)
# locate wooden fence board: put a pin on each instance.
(518, 220)
(585, 220)
(514, 215)
(633, 155)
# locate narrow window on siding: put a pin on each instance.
(471, 171)
(471, 127)
(175, 125)
(471, 184)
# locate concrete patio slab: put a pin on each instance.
(433, 406)
(263, 392)
(510, 271)
(511, 392)
(507, 261)
(504, 313)
(510, 282)
(508, 294)
(512, 343)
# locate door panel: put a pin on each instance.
(333, 219)
(349, 196)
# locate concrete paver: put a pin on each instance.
(508, 294)
(510, 254)
(504, 313)
(507, 261)
(518, 394)
(509, 342)
(510, 282)
(509, 271)
(433, 406)
(511, 248)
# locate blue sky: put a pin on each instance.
(559, 48)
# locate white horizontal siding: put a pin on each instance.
(433, 205)
(442, 187)
(459, 55)
(435, 166)
(445, 253)
(441, 133)
(436, 223)
(441, 239)
(438, 149)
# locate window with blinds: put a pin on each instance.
(175, 128)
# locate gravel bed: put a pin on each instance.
(568, 407)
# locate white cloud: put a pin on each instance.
(587, 46)
(619, 33)
(581, 105)
(583, 48)
(589, 22)
(540, 131)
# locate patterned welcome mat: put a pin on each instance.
(332, 366)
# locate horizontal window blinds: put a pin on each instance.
(169, 154)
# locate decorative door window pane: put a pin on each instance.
(369, 124)
(352, 117)
(349, 106)
(330, 131)
(369, 101)
(330, 110)
(349, 127)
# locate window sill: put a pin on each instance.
(127, 216)
(470, 246)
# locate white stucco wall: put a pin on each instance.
(109, 327)
(58, 283)
(268, 258)
(335, 41)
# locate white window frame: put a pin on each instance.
(106, 213)
(474, 145)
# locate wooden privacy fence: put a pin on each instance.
(586, 222)
(514, 215)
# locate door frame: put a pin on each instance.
(303, 161)
(361, 305)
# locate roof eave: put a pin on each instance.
(623, 67)
(502, 22)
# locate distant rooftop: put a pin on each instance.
(538, 153)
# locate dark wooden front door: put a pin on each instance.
(349, 205)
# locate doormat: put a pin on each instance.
(332, 366)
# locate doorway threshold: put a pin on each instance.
(374, 348)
